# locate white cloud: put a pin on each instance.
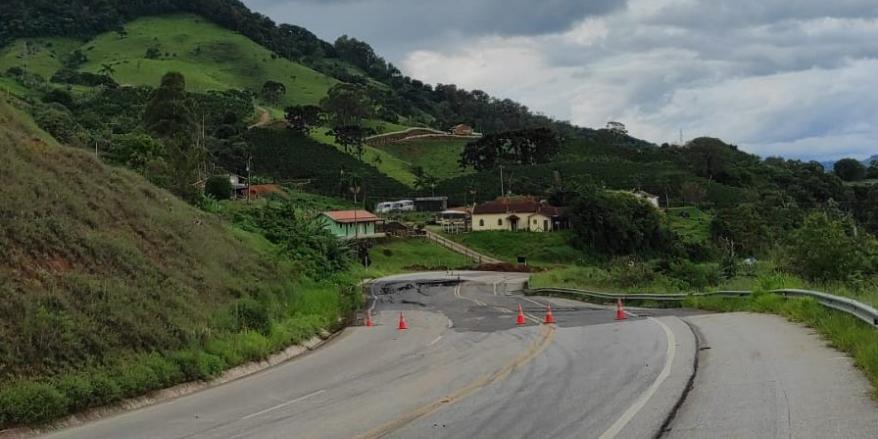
(797, 83)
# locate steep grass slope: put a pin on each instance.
(111, 287)
(439, 158)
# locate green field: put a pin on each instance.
(539, 248)
(413, 254)
(43, 55)
(439, 158)
(386, 163)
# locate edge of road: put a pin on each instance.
(699, 342)
(659, 410)
(180, 390)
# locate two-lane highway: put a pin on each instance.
(462, 369)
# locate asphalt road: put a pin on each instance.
(463, 369)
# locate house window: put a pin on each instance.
(499, 221)
(481, 223)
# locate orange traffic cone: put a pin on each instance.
(549, 317)
(620, 313)
(402, 323)
(520, 319)
(369, 319)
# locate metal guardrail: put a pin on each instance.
(852, 307)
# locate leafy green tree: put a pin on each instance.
(272, 91)
(57, 121)
(219, 187)
(520, 147)
(352, 138)
(167, 114)
(136, 150)
(615, 224)
(872, 170)
(829, 247)
(107, 70)
(75, 59)
(849, 170)
(423, 180)
(346, 105)
(302, 118)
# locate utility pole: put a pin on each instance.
(502, 191)
(249, 176)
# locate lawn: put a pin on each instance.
(539, 248)
(43, 56)
(386, 163)
(399, 255)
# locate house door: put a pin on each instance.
(513, 223)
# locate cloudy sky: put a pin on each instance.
(797, 78)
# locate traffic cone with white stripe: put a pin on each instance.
(369, 319)
(620, 312)
(549, 317)
(520, 319)
(402, 323)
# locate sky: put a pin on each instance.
(792, 78)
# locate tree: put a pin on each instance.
(346, 104)
(272, 91)
(136, 150)
(219, 187)
(829, 247)
(423, 180)
(615, 223)
(301, 118)
(351, 138)
(849, 170)
(167, 114)
(75, 59)
(107, 70)
(520, 147)
(872, 170)
(693, 192)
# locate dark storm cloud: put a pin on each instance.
(396, 26)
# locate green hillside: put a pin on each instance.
(439, 158)
(112, 287)
(211, 57)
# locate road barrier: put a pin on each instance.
(855, 308)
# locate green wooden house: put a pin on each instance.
(351, 224)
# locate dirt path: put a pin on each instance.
(263, 119)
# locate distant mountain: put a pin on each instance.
(827, 165)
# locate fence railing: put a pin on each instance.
(455, 247)
(855, 308)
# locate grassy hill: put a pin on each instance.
(209, 56)
(439, 158)
(112, 287)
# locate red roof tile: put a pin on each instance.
(349, 216)
(516, 206)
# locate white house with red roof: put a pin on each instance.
(516, 213)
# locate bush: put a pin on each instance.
(31, 403)
(166, 371)
(697, 276)
(105, 390)
(77, 389)
(252, 314)
(198, 365)
(135, 378)
(828, 248)
(219, 187)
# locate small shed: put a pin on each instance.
(462, 130)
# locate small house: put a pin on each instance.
(516, 213)
(351, 224)
(462, 130)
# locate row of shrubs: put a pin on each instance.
(30, 402)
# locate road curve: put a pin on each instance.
(463, 369)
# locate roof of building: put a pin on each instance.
(644, 194)
(350, 216)
(516, 205)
